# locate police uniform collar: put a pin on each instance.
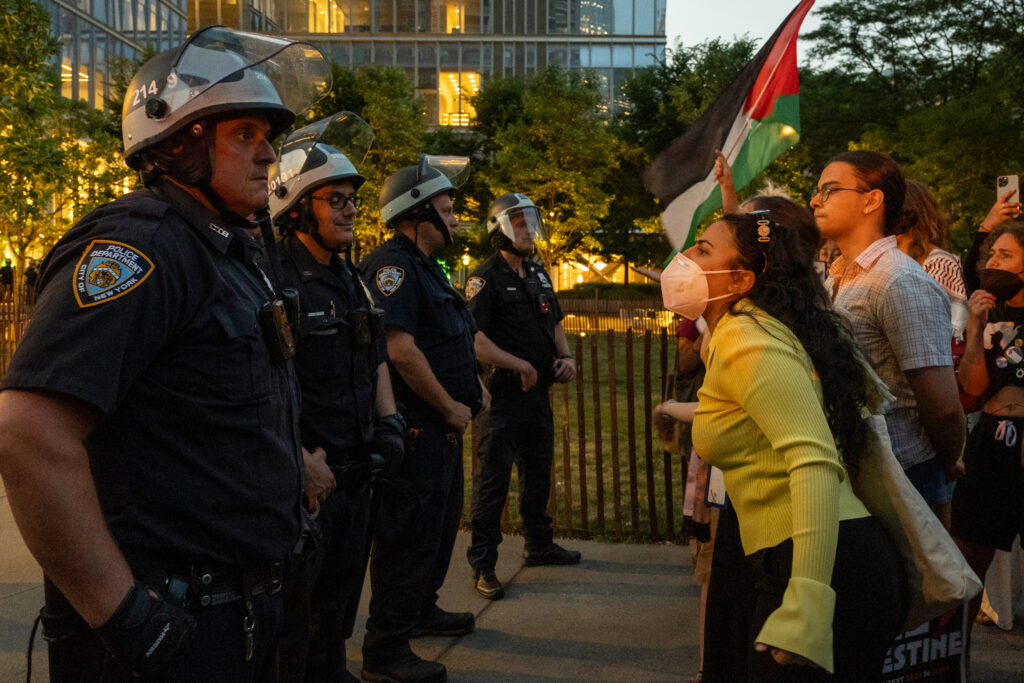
(306, 264)
(214, 229)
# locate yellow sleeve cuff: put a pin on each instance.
(803, 622)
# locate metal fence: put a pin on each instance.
(15, 311)
(611, 479)
(590, 316)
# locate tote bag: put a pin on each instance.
(938, 574)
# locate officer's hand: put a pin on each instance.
(320, 480)
(458, 416)
(527, 376)
(147, 634)
(389, 437)
(565, 370)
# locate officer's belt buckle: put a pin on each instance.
(210, 588)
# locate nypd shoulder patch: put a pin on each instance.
(389, 279)
(108, 270)
(473, 286)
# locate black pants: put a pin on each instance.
(216, 654)
(516, 430)
(871, 603)
(414, 537)
(322, 606)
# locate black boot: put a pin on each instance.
(402, 667)
(552, 554)
(436, 622)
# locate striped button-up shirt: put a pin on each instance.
(901, 319)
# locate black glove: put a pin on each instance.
(389, 440)
(147, 634)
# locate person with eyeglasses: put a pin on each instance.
(348, 412)
(779, 412)
(899, 315)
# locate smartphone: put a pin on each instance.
(1005, 183)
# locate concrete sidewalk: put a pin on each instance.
(626, 613)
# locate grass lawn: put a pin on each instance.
(642, 494)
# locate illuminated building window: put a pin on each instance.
(325, 16)
(452, 17)
(455, 91)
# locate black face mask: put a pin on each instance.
(1002, 284)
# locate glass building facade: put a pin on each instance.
(93, 32)
(449, 48)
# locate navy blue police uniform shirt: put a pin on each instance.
(518, 314)
(150, 314)
(337, 373)
(417, 297)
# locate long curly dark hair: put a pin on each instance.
(787, 287)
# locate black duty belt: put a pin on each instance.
(209, 588)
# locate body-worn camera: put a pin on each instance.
(366, 324)
(277, 331)
(542, 300)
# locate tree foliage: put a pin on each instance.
(384, 97)
(58, 158)
(551, 143)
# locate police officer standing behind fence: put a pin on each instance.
(151, 452)
(430, 346)
(520, 334)
(348, 412)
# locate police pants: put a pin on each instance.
(216, 653)
(414, 536)
(516, 430)
(322, 607)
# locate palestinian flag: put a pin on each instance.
(753, 121)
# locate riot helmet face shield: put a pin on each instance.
(523, 226)
(321, 153)
(220, 70)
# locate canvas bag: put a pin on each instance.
(938, 575)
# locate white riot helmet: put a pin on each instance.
(316, 155)
(512, 210)
(217, 70)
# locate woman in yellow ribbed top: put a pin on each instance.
(783, 389)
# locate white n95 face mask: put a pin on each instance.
(684, 287)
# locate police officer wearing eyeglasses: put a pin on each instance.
(151, 450)
(350, 429)
(520, 334)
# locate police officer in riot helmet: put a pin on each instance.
(150, 414)
(350, 429)
(520, 334)
(430, 349)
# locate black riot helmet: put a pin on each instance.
(406, 194)
(174, 101)
(510, 212)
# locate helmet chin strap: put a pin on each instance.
(309, 224)
(194, 166)
(430, 215)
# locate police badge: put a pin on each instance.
(389, 279)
